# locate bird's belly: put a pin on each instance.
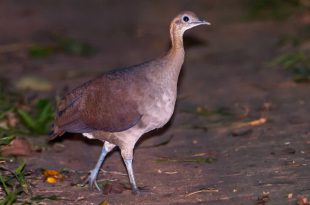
(160, 111)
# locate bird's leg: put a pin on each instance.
(107, 147)
(128, 163)
(127, 155)
(94, 172)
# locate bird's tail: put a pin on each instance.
(55, 132)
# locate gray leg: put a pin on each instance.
(128, 163)
(127, 154)
(107, 147)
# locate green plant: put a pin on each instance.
(38, 121)
(39, 51)
(14, 185)
(5, 103)
(298, 63)
(74, 47)
(61, 44)
(5, 106)
(35, 120)
(5, 140)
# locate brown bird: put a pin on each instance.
(118, 107)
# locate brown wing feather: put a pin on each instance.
(106, 103)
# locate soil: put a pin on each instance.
(195, 159)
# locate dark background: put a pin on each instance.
(240, 133)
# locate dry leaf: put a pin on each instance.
(257, 122)
(3, 124)
(104, 203)
(18, 147)
(33, 83)
(290, 195)
(52, 176)
(302, 200)
(51, 180)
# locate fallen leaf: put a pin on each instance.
(34, 84)
(302, 200)
(3, 124)
(290, 195)
(104, 203)
(52, 176)
(51, 180)
(258, 122)
(17, 147)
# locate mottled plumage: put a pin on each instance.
(120, 106)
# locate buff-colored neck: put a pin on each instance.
(177, 50)
(176, 53)
(176, 36)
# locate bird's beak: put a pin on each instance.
(203, 22)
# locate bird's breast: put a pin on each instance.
(160, 109)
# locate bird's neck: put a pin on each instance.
(176, 53)
(176, 36)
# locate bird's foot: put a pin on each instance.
(91, 180)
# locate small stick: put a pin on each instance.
(208, 190)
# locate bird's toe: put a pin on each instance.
(91, 180)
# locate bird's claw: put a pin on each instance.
(91, 180)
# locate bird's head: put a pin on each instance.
(186, 20)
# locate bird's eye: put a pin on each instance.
(185, 19)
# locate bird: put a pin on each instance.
(120, 106)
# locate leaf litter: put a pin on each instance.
(225, 119)
(16, 147)
(52, 176)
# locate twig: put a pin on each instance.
(208, 190)
(113, 172)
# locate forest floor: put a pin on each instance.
(240, 133)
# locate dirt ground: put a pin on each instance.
(225, 67)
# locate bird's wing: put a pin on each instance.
(107, 103)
